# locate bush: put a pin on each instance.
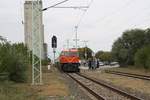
(17, 68)
(142, 57)
(13, 60)
(46, 62)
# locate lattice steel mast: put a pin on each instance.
(36, 43)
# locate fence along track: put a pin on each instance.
(132, 97)
(143, 77)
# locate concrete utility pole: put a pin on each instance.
(76, 38)
(68, 43)
(85, 46)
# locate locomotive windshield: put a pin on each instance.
(73, 53)
(68, 53)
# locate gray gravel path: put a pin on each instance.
(76, 91)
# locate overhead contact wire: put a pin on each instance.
(85, 10)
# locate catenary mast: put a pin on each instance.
(36, 42)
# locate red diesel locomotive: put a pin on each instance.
(69, 60)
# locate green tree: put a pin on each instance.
(147, 36)
(13, 60)
(97, 55)
(104, 56)
(2, 39)
(83, 51)
(124, 49)
(142, 57)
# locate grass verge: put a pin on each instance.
(132, 69)
(53, 86)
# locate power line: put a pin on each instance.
(36, 40)
(74, 7)
(134, 17)
(116, 11)
(85, 10)
(132, 22)
(77, 26)
(144, 22)
(55, 5)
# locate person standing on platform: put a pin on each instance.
(90, 64)
(97, 63)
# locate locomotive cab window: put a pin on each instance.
(73, 54)
(68, 53)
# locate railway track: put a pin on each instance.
(101, 90)
(143, 77)
(96, 95)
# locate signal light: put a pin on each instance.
(54, 42)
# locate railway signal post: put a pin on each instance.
(54, 45)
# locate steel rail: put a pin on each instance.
(99, 97)
(124, 93)
(129, 73)
(144, 77)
